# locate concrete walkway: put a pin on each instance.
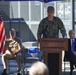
(13, 70)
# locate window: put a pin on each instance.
(35, 11)
(24, 10)
(14, 10)
(60, 10)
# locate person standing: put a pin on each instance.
(49, 26)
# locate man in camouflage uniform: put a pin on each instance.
(13, 51)
(49, 27)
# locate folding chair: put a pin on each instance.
(11, 64)
(30, 60)
(67, 60)
(0, 59)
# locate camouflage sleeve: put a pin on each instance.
(62, 28)
(40, 29)
(20, 43)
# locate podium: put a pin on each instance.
(52, 48)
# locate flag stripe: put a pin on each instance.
(2, 36)
(2, 44)
(2, 33)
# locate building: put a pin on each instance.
(25, 16)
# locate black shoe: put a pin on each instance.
(72, 68)
(19, 74)
(4, 73)
(75, 65)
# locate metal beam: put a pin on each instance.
(73, 15)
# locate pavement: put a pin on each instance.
(13, 65)
(13, 68)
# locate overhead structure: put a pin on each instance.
(46, 1)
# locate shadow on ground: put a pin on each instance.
(13, 70)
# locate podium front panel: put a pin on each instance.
(52, 48)
(48, 44)
(53, 63)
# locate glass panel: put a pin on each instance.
(75, 10)
(34, 29)
(75, 30)
(24, 10)
(35, 11)
(14, 10)
(67, 11)
(64, 10)
(60, 10)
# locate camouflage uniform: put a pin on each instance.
(18, 56)
(50, 29)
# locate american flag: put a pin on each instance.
(2, 35)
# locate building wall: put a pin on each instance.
(5, 10)
(32, 13)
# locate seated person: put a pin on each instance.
(38, 68)
(71, 54)
(13, 48)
